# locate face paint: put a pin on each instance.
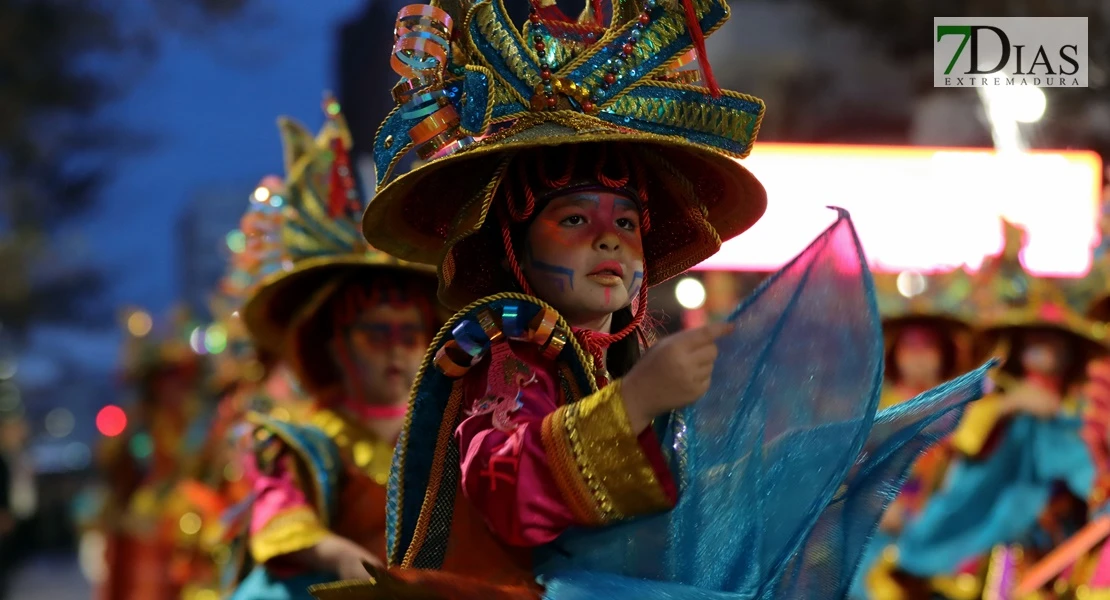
(381, 352)
(560, 276)
(918, 357)
(637, 281)
(380, 335)
(585, 254)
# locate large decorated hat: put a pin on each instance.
(940, 299)
(476, 92)
(319, 230)
(937, 301)
(1007, 299)
(256, 253)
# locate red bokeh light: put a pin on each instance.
(111, 421)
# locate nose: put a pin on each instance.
(608, 241)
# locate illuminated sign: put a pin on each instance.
(923, 209)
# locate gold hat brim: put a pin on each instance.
(948, 322)
(1090, 336)
(422, 215)
(282, 297)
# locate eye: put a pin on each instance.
(626, 224)
(573, 220)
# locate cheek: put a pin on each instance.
(366, 351)
(635, 245)
(548, 239)
(414, 355)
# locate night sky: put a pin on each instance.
(212, 105)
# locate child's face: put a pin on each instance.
(584, 254)
(918, 355)
(381, 353)
(1044, 354)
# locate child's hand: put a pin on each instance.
(339, 555)
(1033, 399)
(352, 563)
(893, 520)
(672, 374)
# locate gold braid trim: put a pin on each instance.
(428, 363)
(435, 478)
(502, 38)
(289, 531)
(607, 457)
(564, 466)
(719, 121)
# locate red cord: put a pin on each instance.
(699, 44)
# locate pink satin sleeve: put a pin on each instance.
(507, 473)
(276, 491)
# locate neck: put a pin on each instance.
(596, 324)
(382, 420)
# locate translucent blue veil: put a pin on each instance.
(784, 466)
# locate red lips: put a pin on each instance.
(608, 267)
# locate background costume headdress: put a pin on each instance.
(938, 301)
(476, 92)
(319, 230)
(260, 256)
(1009, 300)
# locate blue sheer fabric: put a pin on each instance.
(998, 499)
(260, 584)
(784, 466)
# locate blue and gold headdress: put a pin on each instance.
(319, 234)
(475, 92)
(1008, 299)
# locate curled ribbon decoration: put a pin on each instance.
(421, 52)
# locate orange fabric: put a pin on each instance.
(138, 569)
(452, 586)
(361, 517)
(473, 550)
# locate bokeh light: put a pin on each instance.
(690, 293)
(111, 421)
(59, 422)
(139, 323)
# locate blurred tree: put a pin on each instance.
(61, 61)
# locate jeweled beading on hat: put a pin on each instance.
(490, 74)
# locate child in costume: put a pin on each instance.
(352, 323)
(1019, 486)
(144, 461)
(1081, 565)
(217, 490)
(927, 343)
(545, 450)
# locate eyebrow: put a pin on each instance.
(581, 200)
(627, 204)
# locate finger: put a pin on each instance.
(703, 358)
(714, 331)
(706, 334)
